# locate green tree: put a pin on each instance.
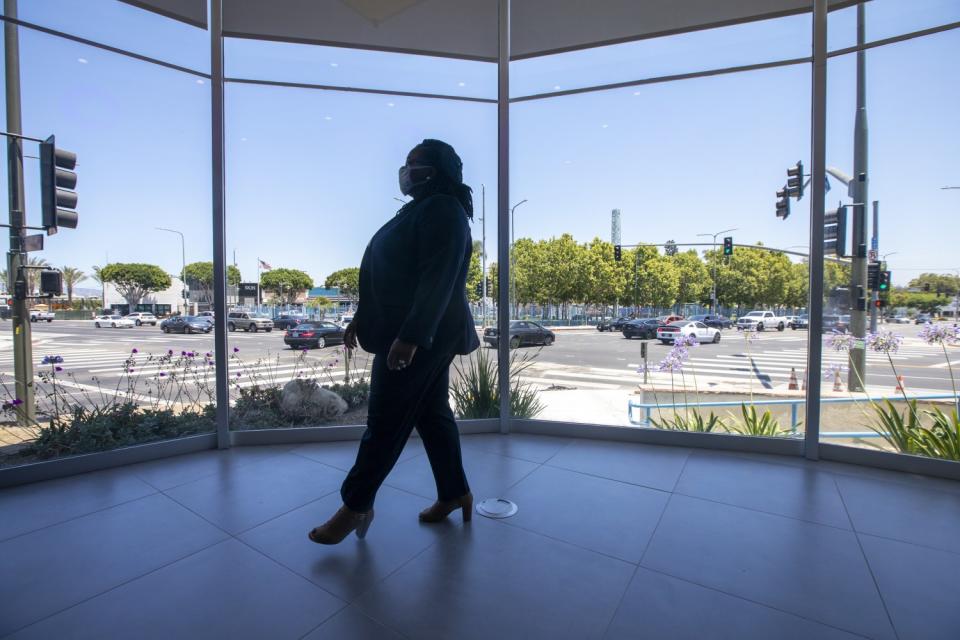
(199, 276)
(134, 280)
(563, 270)
(285, 284)
(922, 301)
(604, 279)
(658, 282)
(693, 277)
(98, 278)
(71, 278)
(474, 272)
(944, 283)
(347, 280)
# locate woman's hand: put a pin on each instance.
(350, 336)
(401, 355)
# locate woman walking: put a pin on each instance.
(414, 317)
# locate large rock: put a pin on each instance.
(306, 400)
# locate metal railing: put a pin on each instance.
(647, 409)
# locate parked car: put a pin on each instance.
(800, 322)
(715, 321)
(140, 318)
(643, 328)
(681, 328)
(186, 324)
(248, 321)
(899, 319)
(761, 320)
(836, 324)
(522, 332)
(289, 320)
(5, 312)
(37, 315)
(114, 322)
(313, 335)
(667, 319)
(612, 325)
(923, 318)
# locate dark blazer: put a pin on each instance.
(413, 280)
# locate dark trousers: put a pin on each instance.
(417, 396)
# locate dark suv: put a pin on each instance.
(717, 322)
(289, 320)
(643, 328)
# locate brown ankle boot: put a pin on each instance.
(334, 530)
(441, 509)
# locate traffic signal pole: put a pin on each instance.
(17, 257)
(875, 247)
(858, 272)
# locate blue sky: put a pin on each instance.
(312, 174)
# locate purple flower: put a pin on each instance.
(183, 353)
(831, 371)
(52, 360)
(686, 341)
(169, 352)
(211, 363)
(239, 374)
(236, 349)
(162, 374)
(134, 350)
(208, 354)
(940, 334)
(58, 369)
(840, 341)
(884, 341)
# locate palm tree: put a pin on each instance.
(96, 277)
(72, 277)
(33, 276)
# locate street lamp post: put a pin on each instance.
(513, 277)
(183, 266)
(713, 294)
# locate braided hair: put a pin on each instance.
(449, 179)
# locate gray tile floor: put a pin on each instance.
(612, 541)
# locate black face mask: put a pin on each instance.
(413, 177)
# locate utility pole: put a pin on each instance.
(875, 248)
(483, 255)
(858, 270)
(17, 258)
(183, 267)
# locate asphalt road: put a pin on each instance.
(584, 359)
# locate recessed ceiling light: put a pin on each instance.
(461, 84)
(199, 81)
(328, 117)
(82, 60)
(556, 87)
(334, 64)
(390, 104)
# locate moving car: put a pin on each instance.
(836, 324)
(313, 335)
(612, 325)
(114, 322)
(249, 321)
(643, 328)
(899, 319)
(715, 321)
(681, 328)
(800, 322)
(289, 320)
(39, 315)
(140, 318)
(186, 324)
(923, 318)
(761, 320)
(522, 332)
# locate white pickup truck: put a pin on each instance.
(761, 320)
(37, 315)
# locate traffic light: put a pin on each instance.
(835, 231)
(783, 203)
(57, 183)
(878, 303)
(478, 289)
(489, 285)
(873, 276)
(51, 283)
(728, 246)
(617, 252)
(795, 180)
(884, 281)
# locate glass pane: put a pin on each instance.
(744, 44)
(126, 27)
(888, 18)
(672, 169)
(300, 216)
(907, 356)
(105, 374)
(337, 66)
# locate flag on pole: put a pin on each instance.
(264, 265)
